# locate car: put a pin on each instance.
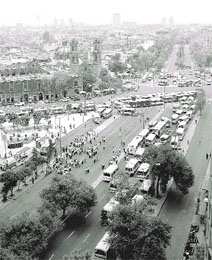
(97, 120)
(20, 104)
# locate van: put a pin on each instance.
(132, 166)
(109, 172)
(180, 133)
(143, 171)
(174, 142)
(175, 118)
(179, 111)
(145, 186)
(182, 125)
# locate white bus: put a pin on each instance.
(144, 132)
(152, 124)
(134, 144)
(174, 142)
(56, 110)
(103, 249)
(108, 208)
(145, 186)
(150, 139)
(164, 138)
(140, 152)
(159, 127)
(143, 171)
(132, 166)
(109, 172)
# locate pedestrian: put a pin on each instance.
(210, 155)
(195, 121)
(187, 142)
(206, 156)
(103, 147)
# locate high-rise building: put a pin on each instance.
(116, 19)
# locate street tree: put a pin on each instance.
(115, 65)
(6, 254)
(9, 180)
(24, 236)
(65, 192)
(131, 234)
(166, 164)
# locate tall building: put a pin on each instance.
(116, 19)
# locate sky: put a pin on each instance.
(100, 11)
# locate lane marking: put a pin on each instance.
(70, 235)
(86, 238)
(88, 214)
(51, 257)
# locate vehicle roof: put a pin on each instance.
(131, 162)
(111, 205)
(144, 167)
(111, 168)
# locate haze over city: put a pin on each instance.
(99, 12)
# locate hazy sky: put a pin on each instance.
(100, 11)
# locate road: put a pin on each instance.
(178, 209)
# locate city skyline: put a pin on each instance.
(100, 12)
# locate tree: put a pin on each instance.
(9, 179)
(115, 65)
(131, 234)
(167, 163)
(88, 76)
(6, 254)
(50, 151)
(65, 192)
(24, 236)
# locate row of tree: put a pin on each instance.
(133, 235)
(26, 236)
(166, 164)
(137, 237)
(14, 177)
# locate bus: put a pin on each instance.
(157, 129)
(108, 208)
(87, 107)
(132, 166)
(108, 112)
(109, 172)
(56, 110)
(117, 180)
(143, 171)
(150, 139)
(127, 111)
(134, 144)
(103, 249)
(144, 132)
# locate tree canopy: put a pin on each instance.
(167, 163)
(131, 234)
(65, 192)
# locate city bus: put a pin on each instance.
(157, 129)
(108, 112)
(56, 110)
(103, 249)
(150, 139)
(144, 132)
(134, 144)
(108, 208)
(109, 172)
(132, 166)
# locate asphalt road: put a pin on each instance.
(178, 210)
